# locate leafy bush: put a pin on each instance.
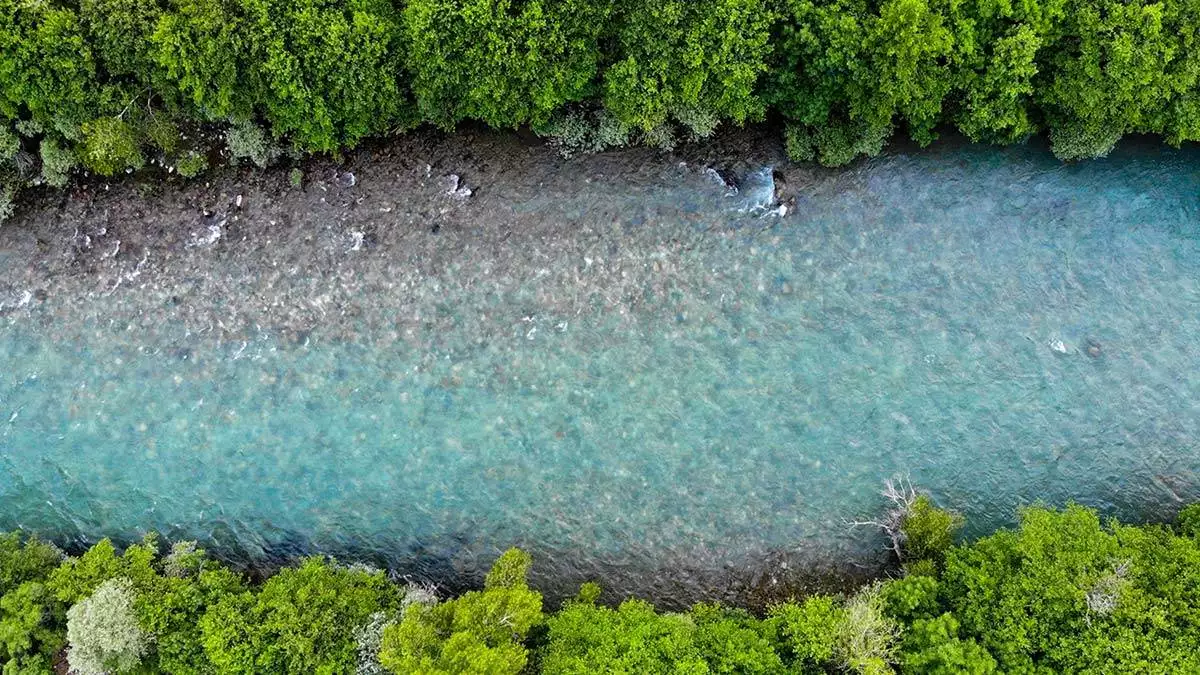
(30, 618)
(928, 530)
(809, 631)
(103, 632)
(733, 641)
(505, 62)
(57, 163)
(302, 621)
(933, 646)
(1189, 521)
(589, 638)
(696, 63)
(585, 131)
(47, 72)
(1064, 592)
(867, 638)
(10, 145)
(247, 140)
(191, 164)
(479, 632)
(328, 70)
(200, 44)
(109, 146)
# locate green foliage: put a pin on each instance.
(57, 163)
(171, 606)
(697, 63)
(109, 146)
(1113, 73)
(913, 597)
(46, 66)
(588, 638)
(809, 630)
(479, 632)
(32, 560)
(191, 164)
(327, 70)
(932, 646)
(95, 80)
(161, 133)
(732, 641)
(1188, 522)
(78, 578)
(200, 45)
(928, 530)
(302, 621)
(119, 32)
(585, 131)
(31, 632)
(30, 618)
(10, 145)
(247, 140)
(1064, 592)
(867, 637)
(505, 62)
(103, 632)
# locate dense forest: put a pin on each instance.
(109, 86)
(1063, 592)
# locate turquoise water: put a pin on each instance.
(999, 327)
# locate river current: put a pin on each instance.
(723, 385)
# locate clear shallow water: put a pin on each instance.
(927, 314)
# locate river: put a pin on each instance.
(622, 369)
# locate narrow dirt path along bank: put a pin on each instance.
(443, 347)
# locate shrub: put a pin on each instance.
(7, 208)
(161, 132)
(933, 646)
(695, 62)
(587, 638)
(368, 639)
(1065, 593)
(913, 597)
(928, 530)
(191, 164)
(10, 145)
(171, 605)
(585, 131)
(302, 621)
(505, 62)
(78, 578)
(46, 68)
(103, 632)
(808, 631)
(201, 46)
(109, 146)
(867, 638)
(57, 163)
(328, 70)
(733, 641)
(1189, 521)
(479, 632)
(247, 140)
(31, 628)
(30, 617)
(120, 32)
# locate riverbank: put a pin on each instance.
(1062, 592)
